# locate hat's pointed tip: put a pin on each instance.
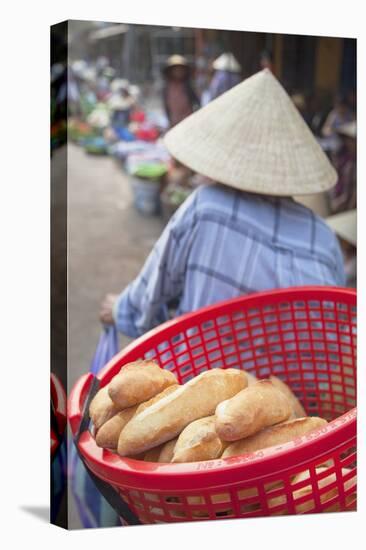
(268, 73)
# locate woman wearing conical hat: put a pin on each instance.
(243, 232)
(179, 97)
(120, 104)
(226, 75)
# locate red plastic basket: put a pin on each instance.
(307, 337)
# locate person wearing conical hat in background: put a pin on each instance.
(179, 97)
(227, 74)
(243, 232)
(345, 227)
(343, 195)
(119, 84)
(120, 103)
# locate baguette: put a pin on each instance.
(299, 411)
(153, 454)
(166, 453)
(168, 417)
(156, 398)
(102, 408)
(137, 382)
(251, 410)
(251, 378)
(161, 453)
(108, 434)
(198, 441)
(275, 435)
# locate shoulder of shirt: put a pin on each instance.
(328, 235)
(203, 201)
(203, 198)
(212, 198)
(216, 199)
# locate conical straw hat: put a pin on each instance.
(253, 138)
(119, 84)
(226, 62)
(175, 60)
(345, 225)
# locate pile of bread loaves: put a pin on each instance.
(145, 413)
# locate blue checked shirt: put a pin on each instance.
(223, 243)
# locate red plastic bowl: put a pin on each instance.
(307, 337)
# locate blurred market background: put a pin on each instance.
(111, 97)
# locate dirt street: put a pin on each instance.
(108, 243)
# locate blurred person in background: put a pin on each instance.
(179, 97)
(339, 115)
(243, 232)
(103, 83)
(343, 195)
(227, 73)
(121, 103)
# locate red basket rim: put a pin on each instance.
(58, 395)
(149, 475)
(202, 313)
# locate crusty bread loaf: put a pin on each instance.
(108, 434)
(167, 450)
(251, 410)
(156, 398)
(198, 441)
(161, 453)
(251, 378)
(137, 382)
(102, 408)
(168, 417)
(275, 435)
(299, 411)
(153, 454)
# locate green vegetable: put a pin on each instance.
(150, 171)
